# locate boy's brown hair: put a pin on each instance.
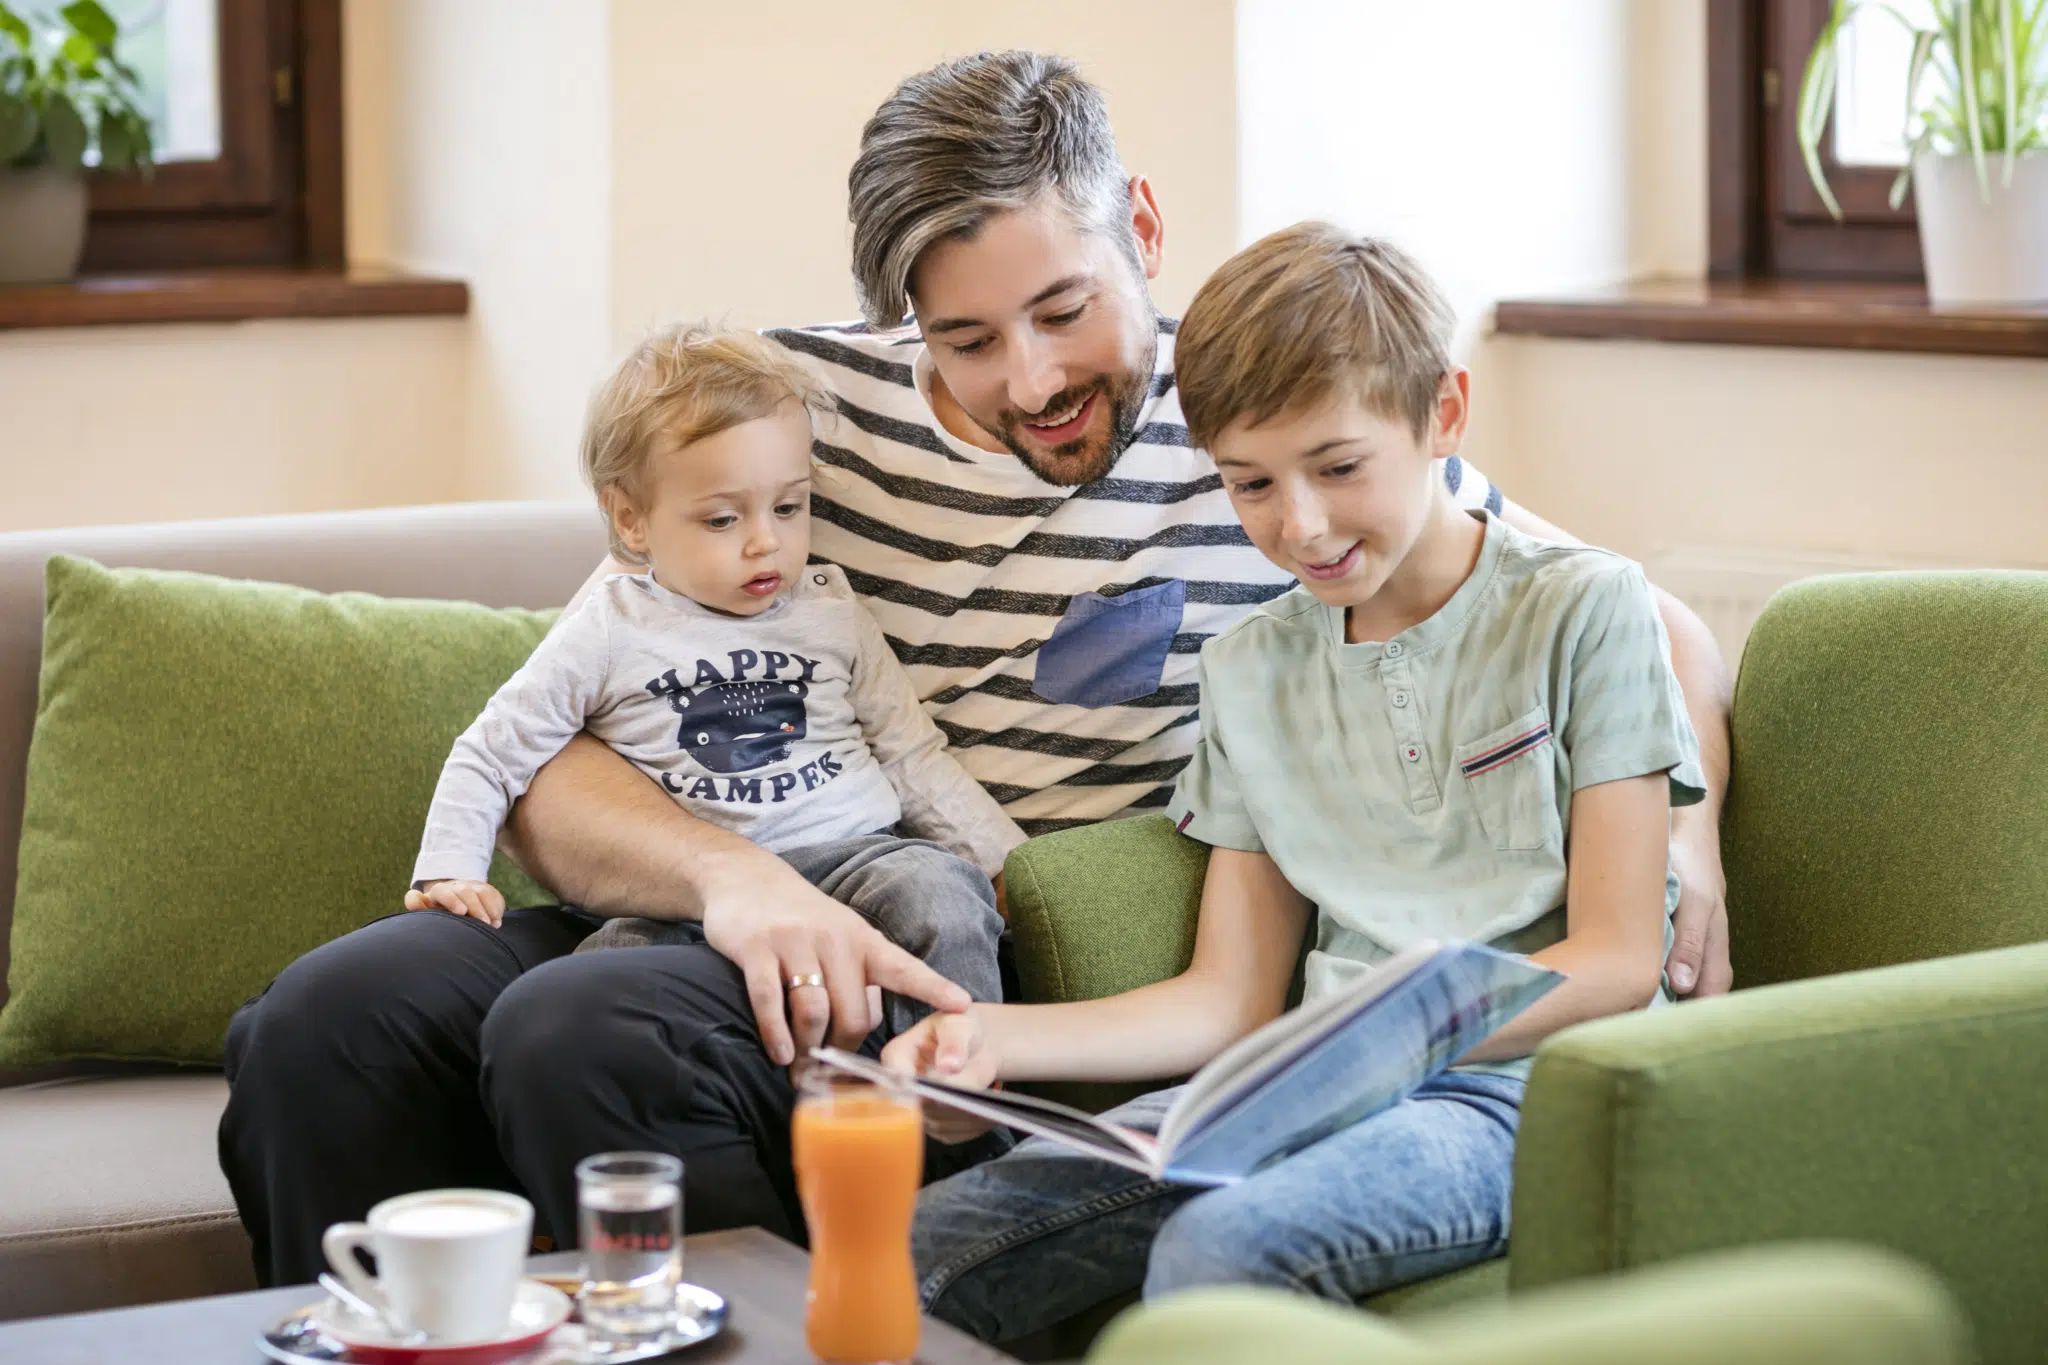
(682, 384)
(1304, 314)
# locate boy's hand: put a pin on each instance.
(952, 1048)
(477, 900)
(1698, 965)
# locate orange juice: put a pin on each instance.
(859, 1152)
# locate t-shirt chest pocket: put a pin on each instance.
(1510, 775)
(1110, 650)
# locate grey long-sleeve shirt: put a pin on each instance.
(791, 727)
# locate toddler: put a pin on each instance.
(745, 680)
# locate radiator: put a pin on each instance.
(1728, 588)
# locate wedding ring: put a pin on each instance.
(814, 979)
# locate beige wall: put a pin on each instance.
(591, 169)
(1879, 458)
(1528, 150)
(159, 423)
(602, 166)
(1665, 450)
(734, 127)
(125, 424)
(484, 149)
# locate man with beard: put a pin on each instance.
(1009, 487)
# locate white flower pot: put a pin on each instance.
(1983, 249)
(42, 225)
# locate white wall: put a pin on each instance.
(1489, 137)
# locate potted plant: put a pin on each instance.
(66, 102)
(1977, 144)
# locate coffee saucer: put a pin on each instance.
(326, 1333)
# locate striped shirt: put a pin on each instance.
(1051, 632)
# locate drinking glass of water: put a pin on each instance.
(630, 1217)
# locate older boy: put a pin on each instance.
(1449, 730)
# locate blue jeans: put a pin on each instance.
(1042, 1233)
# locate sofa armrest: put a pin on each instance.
(1904, 1106)
(1100, 910)
(1796, 1305)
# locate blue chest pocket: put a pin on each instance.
(1108, 650)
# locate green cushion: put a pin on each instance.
(1789, 1305)
(1890, 773)
(222, 776)
(1901, 1107)
(1480, 1283)
(1100, 910)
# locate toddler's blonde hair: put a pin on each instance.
(682, 384)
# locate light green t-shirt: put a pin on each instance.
(1421, 787)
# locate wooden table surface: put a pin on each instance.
(761, 1276)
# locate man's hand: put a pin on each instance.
(794, 933)
(477, 900)
(953, 1048)
(1698, 964)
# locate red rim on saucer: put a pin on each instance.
(537, 1311)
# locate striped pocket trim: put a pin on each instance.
(1513, 749)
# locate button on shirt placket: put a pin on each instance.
(1404, 718)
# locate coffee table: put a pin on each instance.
(761, 1276)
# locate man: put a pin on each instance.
(1012, 493)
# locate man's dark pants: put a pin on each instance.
(429, 1050)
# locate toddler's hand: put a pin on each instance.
(477, 900)
(950, 1048)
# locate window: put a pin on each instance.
(245, 99)
(1766, 218)
(174, 46)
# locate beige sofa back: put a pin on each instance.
(500, 554)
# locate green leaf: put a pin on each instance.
(2012, 84)
(63, 131)
(140, 145)
(91, 22)
(117, 153)
(1966, 65)
(18, 124)
(1923, 48)
(11, 24)
(81, 53)
(1817, 98)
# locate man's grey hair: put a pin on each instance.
(967, 139)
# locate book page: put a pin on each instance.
(1046, 1118)
(1368, 1058)
(1253, 1059)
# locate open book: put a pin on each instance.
(1304, 1076)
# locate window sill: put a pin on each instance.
(1840, 316)
(230, 296)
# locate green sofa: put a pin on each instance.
(1791, 1305)
(1881, 1074)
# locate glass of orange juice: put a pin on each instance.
(859, 1150)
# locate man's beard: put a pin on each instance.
(1088, 457)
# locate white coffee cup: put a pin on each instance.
(448, 1261)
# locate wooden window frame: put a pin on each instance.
(1765, 220)
(274, 195)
